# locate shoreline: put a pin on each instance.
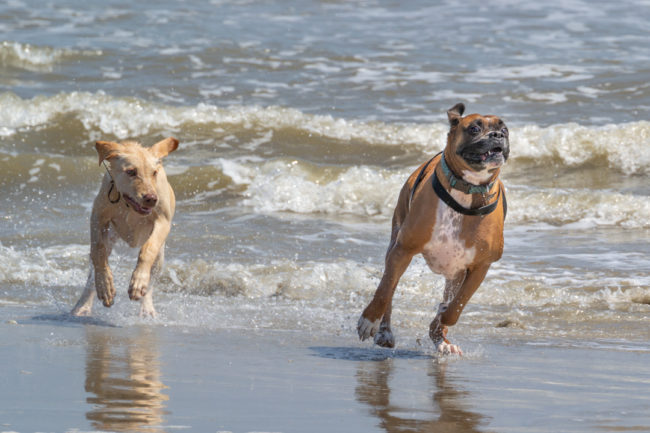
(66, 376)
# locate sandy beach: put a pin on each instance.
(63, 375)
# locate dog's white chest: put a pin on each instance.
(132, 229)
(446, 253)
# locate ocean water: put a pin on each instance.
(298, 124)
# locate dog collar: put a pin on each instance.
(460, 184)
(449, 201)
(119, 195)
(442, 193)
(113, 187)
(110, 190)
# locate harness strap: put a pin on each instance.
(420, 177)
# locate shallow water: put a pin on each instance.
(299, 122)
(89, 377)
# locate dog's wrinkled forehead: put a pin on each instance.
(488, 122)
(461, 124)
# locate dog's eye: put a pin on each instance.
(132, 172)
(474, 129)
(505, 131)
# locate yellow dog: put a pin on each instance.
(136, 204)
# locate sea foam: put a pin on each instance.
(623, 147)
(294, 186)
(37, 58)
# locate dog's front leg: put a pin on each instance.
(101, 245)
(149, 254)
(397, 260)
(384, 336)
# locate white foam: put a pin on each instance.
(580, 208)
(298, 187)
(589, 91)
(295, 186)
(623, 146)
(43, 267)
(32, 57)
(126, 117)
(550, 97)
(320, 296)
(529, 71)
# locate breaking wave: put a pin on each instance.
(623, 147)
(290, 186)
(320, 296)
(37, 58)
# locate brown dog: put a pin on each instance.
(457, 224)
(136, 203)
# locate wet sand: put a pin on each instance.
(62, 375)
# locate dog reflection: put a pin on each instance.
(447, 415)
(123, 376)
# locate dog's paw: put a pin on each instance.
(445, 348)
(83, 311)
(146, 309)
(385, 338)
(138, 285)
(438, 333)
(105, 288)
(366, 328)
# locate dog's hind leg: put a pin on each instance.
(84, 305)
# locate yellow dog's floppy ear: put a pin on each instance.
(107, 150)
(164, 147)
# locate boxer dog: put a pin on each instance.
(136, 204)
(451, 210)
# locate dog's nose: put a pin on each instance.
(496, 134)
(150, 200)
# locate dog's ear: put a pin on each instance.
(164, 147)
(455, 113)
(107, 150)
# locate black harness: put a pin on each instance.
(442, 193)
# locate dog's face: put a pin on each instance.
(481, 142)
(137, 171)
